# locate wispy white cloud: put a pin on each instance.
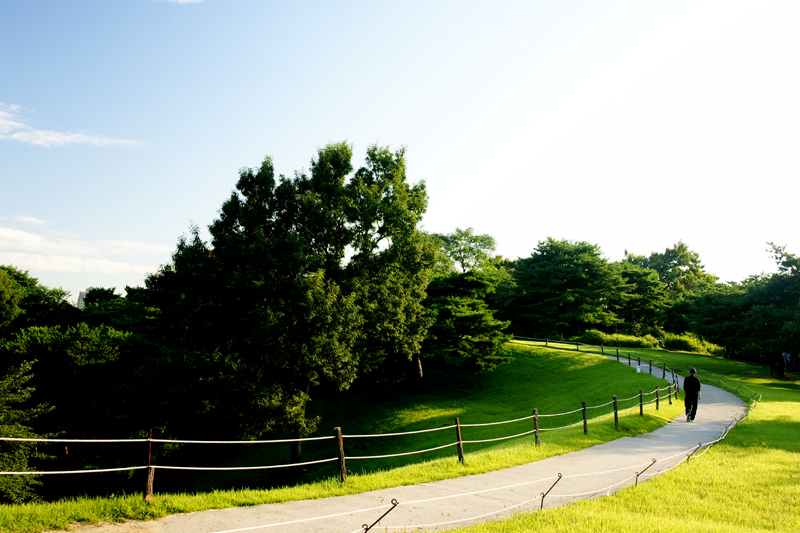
(26, 220)
(184, 1)
(26, 241)
(66, 263)
(14, 127)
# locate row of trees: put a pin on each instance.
(306, 284)
(313, 283)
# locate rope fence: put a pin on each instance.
(659, 394)
(632, 480)
(341, 457)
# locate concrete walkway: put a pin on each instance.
(595, 471)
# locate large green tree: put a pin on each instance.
(756, 319)
(464, 249)
(565, 288)
(306, 282)
(642, 301)
(465, 330)
(679, 268)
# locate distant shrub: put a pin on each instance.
(688, 342)
(593, 336)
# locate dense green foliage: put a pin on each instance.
(14, 419)
(9, 299)
(38, 305)
(464, 330)
(464, 327)
(565, 288)
(598, 338)
(678, 268)
(272, 307)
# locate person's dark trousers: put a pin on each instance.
(690, 400)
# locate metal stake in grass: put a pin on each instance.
(636, 484)
(548, 491)
(395, 503)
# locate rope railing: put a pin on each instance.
(272, 441)
(264, 467)
(497, 423)
(341, 458)
(399, 433)
(685, 455)
(402, 454)
(500, 438)
(88, 471)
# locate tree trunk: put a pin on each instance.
(297, 446)
(418, 361)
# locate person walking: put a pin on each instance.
(691, 394)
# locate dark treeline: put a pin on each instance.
(313, 284)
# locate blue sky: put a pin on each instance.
(631, 125)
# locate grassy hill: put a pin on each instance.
(551, 380)
(750, 482)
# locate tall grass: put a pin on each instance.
(552, 381)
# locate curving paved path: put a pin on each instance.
(466, 500)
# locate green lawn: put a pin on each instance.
(551, 380)
(750, 482)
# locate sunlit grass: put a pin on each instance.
(748, 483)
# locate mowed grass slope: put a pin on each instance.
(553, 381)
(750, 482)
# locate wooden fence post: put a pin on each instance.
(585, 426)
(669, 391)
(650, 371)
(629, 359)
(340, 453)
(664, 375)
(616, 413)
(460, 443)
(658, 393)
(676, 389)
(640, 360)
(641, 403)
(602, 350)
(536, 426)
(545, 342)
(151, 472)
(577, 346)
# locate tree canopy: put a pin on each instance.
(679, 268)
(297, 271)
(565, 288)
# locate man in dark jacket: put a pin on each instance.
(691, 393)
